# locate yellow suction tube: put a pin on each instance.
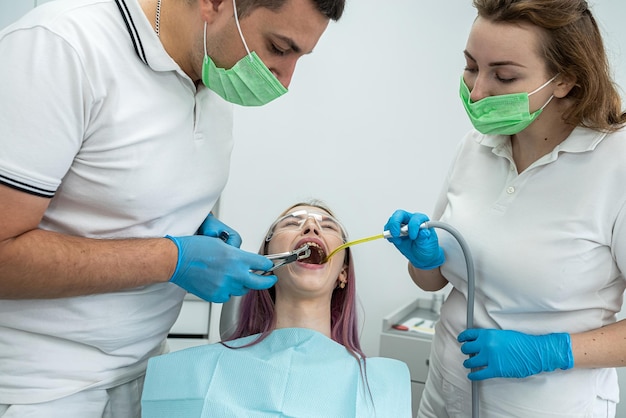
(351, 243)
(403, 232)
(386, 234)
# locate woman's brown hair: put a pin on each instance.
(572, 47)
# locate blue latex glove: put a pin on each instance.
(215, 269)
(421, 246)
(502, 353)
(213, 227)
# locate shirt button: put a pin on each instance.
(510, 190)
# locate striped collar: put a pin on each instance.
(132, 30)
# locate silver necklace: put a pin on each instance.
(157, 19)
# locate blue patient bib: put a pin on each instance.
(294, 372)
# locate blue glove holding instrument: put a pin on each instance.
(216, 269)
(503, 353)
(213, 227)
(421, 247)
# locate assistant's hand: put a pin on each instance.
(421, 246)
(214, 270)
(502, 353)
(213, 227)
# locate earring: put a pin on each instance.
(342, 284)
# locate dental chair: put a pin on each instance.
(229, 316)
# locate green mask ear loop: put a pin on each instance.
(239, 29)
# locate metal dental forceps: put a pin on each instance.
(281, 259)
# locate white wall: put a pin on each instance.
(10, 10)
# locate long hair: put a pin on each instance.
(257, 314)
(573, 47)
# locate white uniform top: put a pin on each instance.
(549, 247)
(97, 116)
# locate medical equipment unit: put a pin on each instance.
(407, 335)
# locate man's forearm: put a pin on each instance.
(42, 264)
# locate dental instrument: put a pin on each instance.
(224, 235)
(281, 259)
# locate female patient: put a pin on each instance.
(295, 351)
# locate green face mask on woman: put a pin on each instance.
(506, 114)
(248, 83)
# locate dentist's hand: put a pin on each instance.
(502, 353)
(421, 246)
(213, 227)
(215, 269)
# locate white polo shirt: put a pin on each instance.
(549, 248)
(95, 115)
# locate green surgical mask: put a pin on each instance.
(248, 83)
(506, 114)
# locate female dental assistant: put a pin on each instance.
(537, 190)
(115, 143)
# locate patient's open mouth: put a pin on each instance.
(318, 255)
